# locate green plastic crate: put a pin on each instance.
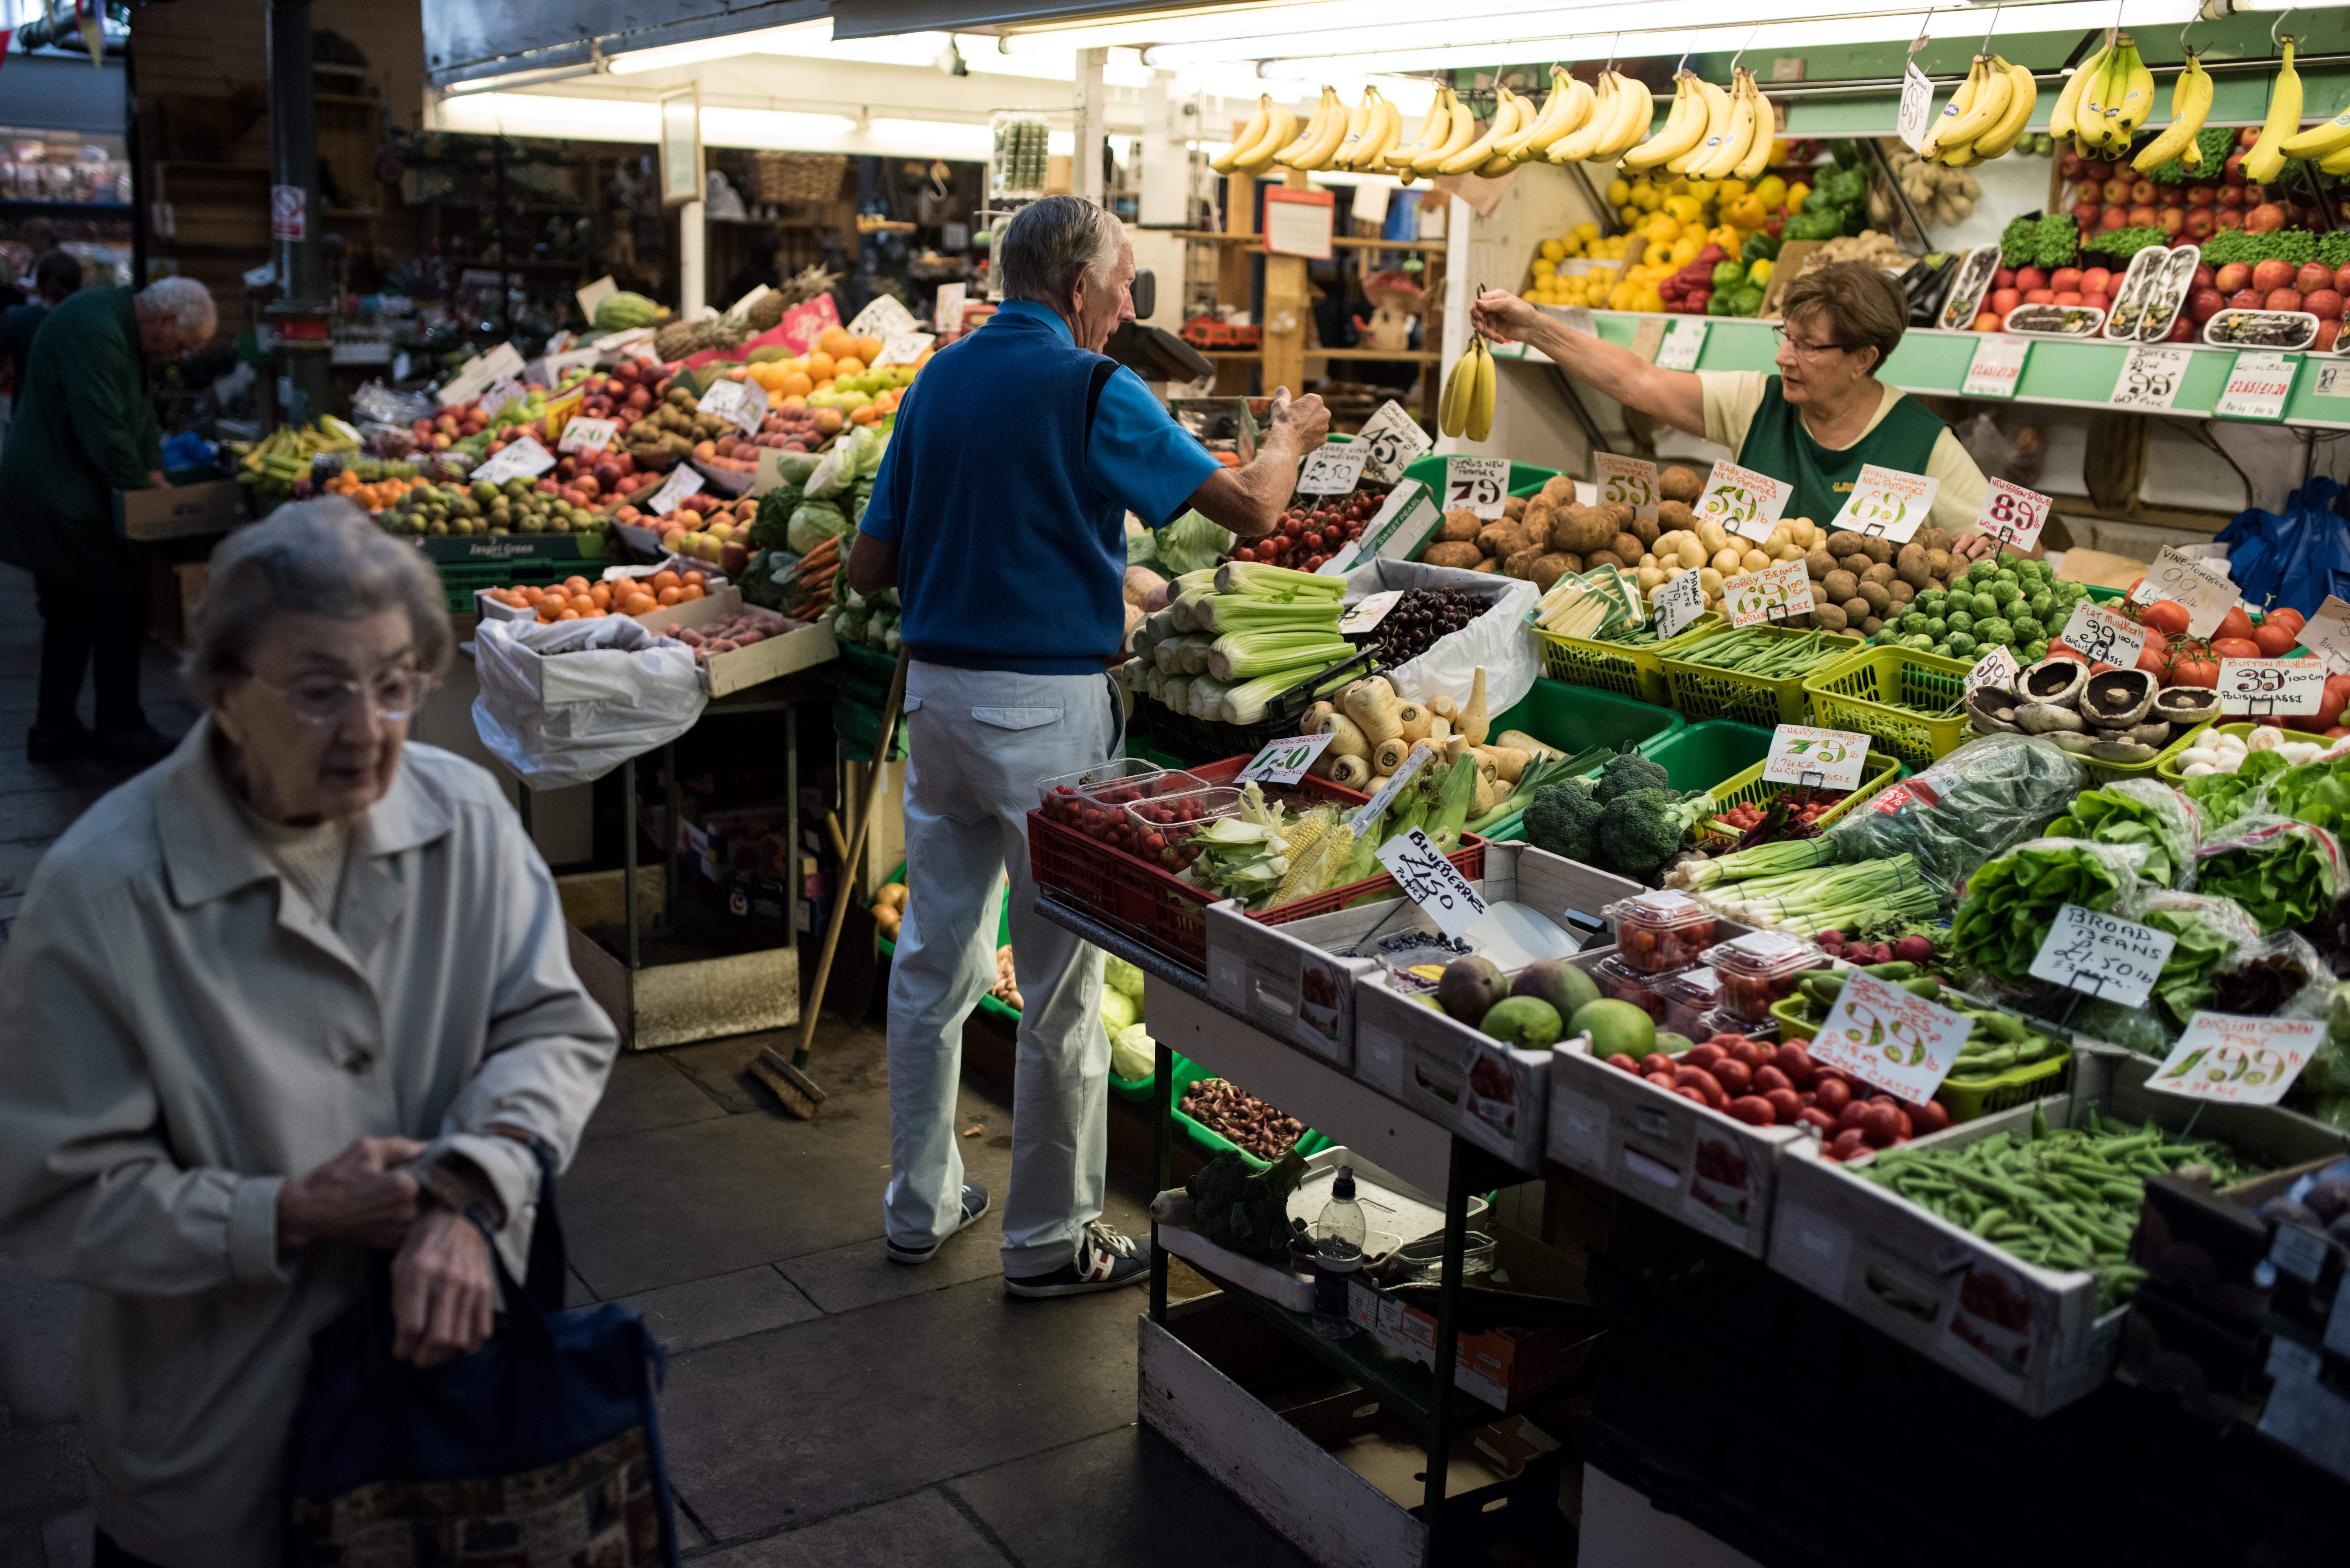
(1749, 788)
(2166, 766)
(1612, 667)
(1858, 693)
(1574, 717)
(1965, 1098)
(1186, 1073)
(461, 580)
(2106, 773)
(1704, 754)
(1702, 691)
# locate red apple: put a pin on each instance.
(2030, 277)
(2092, 297)
(2039, 296)
(2205, 278)
(2245, 299)
(2327, 331)
(2254, 193)
(639, 399)
(2206, 302)
(2085, 214)
(2141, 192)
(2200, 226)
(2229, 220)
(2114, 218)
(2245, 138)
(2282, 299)
(2199, 195)
(626, 370)
(2142, 217)
(2116, 193)
(2266, 219)
(2003, 300)
(2312, 276)
(2067, 296)
(2325, 304)
(2342, 280)
(2231, 195)
(2094, 280)
(2181, 331)
(2003, 278)
(2070, 166)
(2173, 221)
(2272, 274)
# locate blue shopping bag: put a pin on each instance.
(2294, 557)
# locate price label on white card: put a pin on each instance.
(1482, 484)
(1332, 469)
(1368, 612)
(1773, 594)
(2102, 955)
(521, 458)
(2151, 375)
(682, 482)
(1625, 481)
(1432, 882)
(1404, 774)
(2013, 514)
(1886, 504)
(2328, 632)
(1819, 759)
(2259, 382)
(1917, 110)
(595, 295)
(903, 348)
(1741, 499)
(946, 310)
(1284, 761)
(504, 390)
(884, 319)
(743, 402)
(2241, 1061)
(2330, 381)
(1684, 341)
(2103, 637)
(1997, 368)
(1677, 603)
(2262, 688)
(587, 435)
(1393, 438)
(2206, 594)
(1890, 1038)
(1998, 669)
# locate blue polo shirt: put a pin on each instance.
(1011, 468)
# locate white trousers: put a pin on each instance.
(978, 741)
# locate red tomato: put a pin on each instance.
(2155, 657)
(2274, 640)
(2226, 646)
(2336, 698)
(2288, 617)
(2193, 668)
(2168, 616)
(2235, 623)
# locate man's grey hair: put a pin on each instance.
(321, 558)
(188, 303)
(1051, 242)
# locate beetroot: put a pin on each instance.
(1914, 950)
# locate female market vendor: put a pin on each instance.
(1814, 423)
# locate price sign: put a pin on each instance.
(2328, 632)
(1917, 111)
(589, 435)
(1743, 501)
(1625, 481)
(1773, 594)
(2208, 596)
(504, 390)
(1393, 438)
(1480, 483)
(1677, 603)
(1366, 614)
(1890, 1038)
(1820, 759)
(2259, 688)
(1997, 368)
(1396, 781)
(903, 348)
(2243, 1061)
(2151, 374)
(594, 296)
(1884, 504)
(884, 319)
(946, 310)
(2102, 956)
(1432, 882)
(2013, 514)
(1332, 469)
(2333, 381)
(1684, 340)
(744, 402)
(2104, 637)
(682, 482)
(2257, 384)
(1998, 667)
(521, 458)
(1284, 761)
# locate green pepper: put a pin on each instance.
(1747, 301)
(1759, 247)
(1728, 275)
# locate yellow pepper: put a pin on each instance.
(1760, 271)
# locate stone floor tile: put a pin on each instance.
(861, 1274)
(923, 1530)
(645, 1091)
(706, 1312)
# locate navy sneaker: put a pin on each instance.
(974, 1204)
(1104, 1261)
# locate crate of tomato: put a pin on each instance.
(1314, 528)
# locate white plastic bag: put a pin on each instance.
(566, 702)
(1499, 640)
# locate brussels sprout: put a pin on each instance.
(1960, 620)
(1961, 645)
(1936, 629)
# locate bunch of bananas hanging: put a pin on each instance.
(2265, 160)
(1711, 133)
(2326, 145)
(1273, 129)
(1985, 117)
(2107, 98)
(1466, 407)
(2190, 101)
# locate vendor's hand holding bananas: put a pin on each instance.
(1466, 407)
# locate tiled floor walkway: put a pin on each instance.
(824, 1408)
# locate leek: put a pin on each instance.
(1453, 798)
(1241, 612)
(1278, 582)
(1238, 656)
(1829, 897)
(1771, 860)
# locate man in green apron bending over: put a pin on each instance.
(1814, 423)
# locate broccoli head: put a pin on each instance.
(1629, 771)
(1562, 818)
(1242, 1210)
(1640, 831)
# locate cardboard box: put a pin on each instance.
(1287, 980)
(1785, 269)
(1508, 1347)
(747, 839)
(179, 511)
(793, 649)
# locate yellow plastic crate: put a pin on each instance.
(1613, 667)
(1700, 692)
(1750, 788)
(1859, 693)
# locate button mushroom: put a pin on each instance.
(2186, 705)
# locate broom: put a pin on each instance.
(800, 1094)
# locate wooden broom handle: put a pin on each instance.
(882, 749)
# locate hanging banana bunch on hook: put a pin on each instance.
(1466, 405)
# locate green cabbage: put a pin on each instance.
(1119, 975)
(1116, 1010)
(1192, 543)
(814, 521)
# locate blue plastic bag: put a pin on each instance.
(2295, 557)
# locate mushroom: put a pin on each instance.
(2075, 740)
(2047, 719)
(2152, 733)
(2118, 751)
(2185, 704)
(1993, 712)
(2117, 698)
(2056, 681)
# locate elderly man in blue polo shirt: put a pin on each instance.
(999, 514)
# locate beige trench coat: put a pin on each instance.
(182, 1032)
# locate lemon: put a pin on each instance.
(1587, 233)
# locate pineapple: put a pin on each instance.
(717, 332)
(675, 340)
(767, 313)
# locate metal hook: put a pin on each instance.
(1749, 44)
(1613, 45)
(2276, 42)
(1924, 21)
(1991, 29)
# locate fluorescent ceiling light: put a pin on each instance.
(764, 40)
(539, 114)
(638, 120)
(775, 131)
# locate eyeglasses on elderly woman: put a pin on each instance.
(393, 695)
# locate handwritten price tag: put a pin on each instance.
(1775, 593)
(1997, 368)
(2328, 632)
(1393, 438)
(1917, 110)
(2013, 514)
(1378, 804)
(2102, 956)
(1480, 483)
(884, 319)
(903, 348)
(682, 482)
(2257, 384)
(589, 435)
(743, 402)
(1822, 759)
(2206, 596)
(1745, 503)
(2103, 637)
(1332, 469)
(1368, 612)
(1890, 1038)
(1284, 761)
(2151, 377)
(1886, 504)
(1625, 480)
(504, 390)
(1432, 882)
(1684, 341)
(2241, 1060)
(2258, 688)
(1677, 603)
(521, 458)
(1998, 667)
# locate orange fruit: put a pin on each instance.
(795, 384)
(850, 366)
(695, 579)
(638, 604)
(691, 591)
(671, 595)
(664, 579)
(867, 415)
(820, 367)
(869, 349)
(601, 594)
(576, 584)
(796, 401)
(566, 615)
(835, 341)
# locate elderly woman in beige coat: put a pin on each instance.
(298, 991)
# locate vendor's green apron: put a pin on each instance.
(1777, 444)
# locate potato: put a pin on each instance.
(1679, 483)
(1582, 529)
(1574, 562)
(1558, 490)
(1710, 580)
(1877, 573)
(1819, 563)
(1714, 535)
(1934, 537)
(1909, 566)
(1726, 561)
(1515, 508)
(1831, 617)
(1675, 515)
(1937, 565)
(1547, 570)
(1488, 565)
(1841, 543)
(1618, 514)
(1902, 592)
(1502, 540)
(1650, 578)
(1857, 608)
(1780, 534)
(1453, 552)
(1629, 546)
(1537, 520)
(1788, 551)
(1602, 558)
(1871, 626)
(1752, 560)
(1879, 550)
(1461, 525)
(1520, 564)
(1879, 601)
(1692, 552)
(1809, 533)
(1646, 527)
(1839, 585)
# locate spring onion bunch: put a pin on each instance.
(1826, 898)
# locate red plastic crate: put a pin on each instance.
(1165, 912)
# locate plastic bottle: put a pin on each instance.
(1338, 1234)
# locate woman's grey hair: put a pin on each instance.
(187, 302)
(1051, 242)
(321, 558)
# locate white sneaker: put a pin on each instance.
(1104, 1260)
